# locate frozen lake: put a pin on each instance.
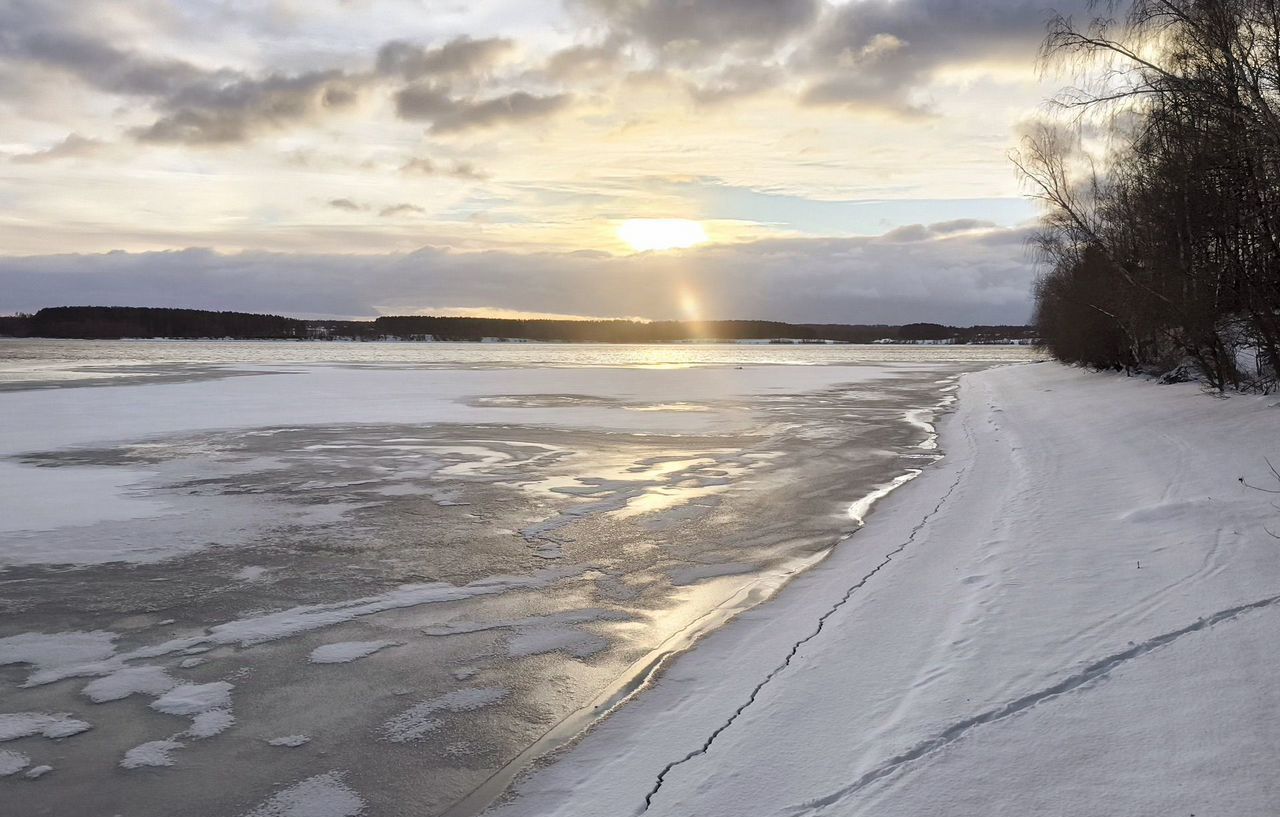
(235, 576)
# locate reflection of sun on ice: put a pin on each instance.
(644, 234)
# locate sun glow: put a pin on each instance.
(645, 234)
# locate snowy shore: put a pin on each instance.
(1073, 613)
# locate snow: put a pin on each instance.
(14, 725)
(49, 652)
(325, 795)
(152, 753)
(272, 626)
(345, 652)
(37, 772)
(12, 762)
(1073, 612)
(47, 419)
(194, 699)
(290, 741)
(102, 495)
(420, 719)
(125, 682)
(57, 656)
(210, 723)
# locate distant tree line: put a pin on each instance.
(1167, 249)
(146, 322)
(99, 322)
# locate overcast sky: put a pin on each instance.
(847, 160)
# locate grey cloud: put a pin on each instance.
(584, 61)
(460, 56)
(701, 29)
(195, 105)
(401, 210)
(198, 106)
(72, 147)
(423, 100)
(459, 170)
(208, 113)
(467, 170)
(927, 232)
(344, 204)
(875, 53)
(430, 102)
(961, 225)
(96, 63)
(957, 278)
(423, 167)
(514, 107)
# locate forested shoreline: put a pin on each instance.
(1161, 185)
(105, 323)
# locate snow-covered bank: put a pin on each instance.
(1073, 613)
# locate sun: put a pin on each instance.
(645, 234)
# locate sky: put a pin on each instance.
(798, 160)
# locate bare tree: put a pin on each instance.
(1176, 239)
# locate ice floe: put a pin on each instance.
(12, 762)
(151, 753)
(345, 652)
(126, 681)
(193, 699)
(14, 725)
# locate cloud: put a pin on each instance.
(459, 56)
(978, 276)
(401, 210)
(519, 106)
(433, 103)
(201, 106)
(389, 211)
(701, 30)
(74, 146)
(875, 54)
(422, 166)
(47, 40)
(871, 55)
(926, 232)
(196, 105)
(205, 112)
(580, 62)
(425, 100)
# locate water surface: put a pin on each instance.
(505, 540)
